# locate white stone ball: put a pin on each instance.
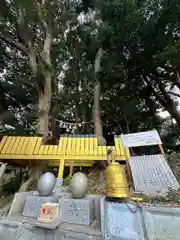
(46, 184)
(78, 185)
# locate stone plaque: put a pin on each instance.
(152, 175)
(77, 211)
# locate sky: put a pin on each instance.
(165, 114)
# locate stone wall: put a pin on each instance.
(128, 221)
(119, 221)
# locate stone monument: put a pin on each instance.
(45, 187)
(80, 209)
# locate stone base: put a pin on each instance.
(15, 213)
(97, 199)
(8, 231)
(77, 211)
(13, 231)
(59, 182)
(58, 187)
(123, 221)
(70, 235)
(33, 203)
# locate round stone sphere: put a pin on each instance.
(46, 184)
(78, 185)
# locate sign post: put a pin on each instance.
(148, 138)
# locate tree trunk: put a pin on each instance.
(32, 178)
(45, 96)
(170, 105)
(44, 106)
(40, 62)
(96, 108)
(165, 100)
(175, 79)
(145, 94)
(96, 115)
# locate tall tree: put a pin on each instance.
(34, 28)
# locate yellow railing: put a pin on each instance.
(77, 150)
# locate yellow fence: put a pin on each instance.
(76, 150)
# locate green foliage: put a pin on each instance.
(137, 37)
(67, 180)
(170, 54)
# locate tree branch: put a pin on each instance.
(47, 46)
(98, 58)
(158, 97)
(45, 55)
(174, 94)
(13, 43)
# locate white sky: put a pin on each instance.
(165, 114)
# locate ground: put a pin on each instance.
(96, 180)
(5, 204)
(174, 163)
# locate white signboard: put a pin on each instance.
(141, 139)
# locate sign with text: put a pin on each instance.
(48, 212)
(141, 139)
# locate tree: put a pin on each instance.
(158, 29)
(20, 98)
(34, 28)
(135, 38)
